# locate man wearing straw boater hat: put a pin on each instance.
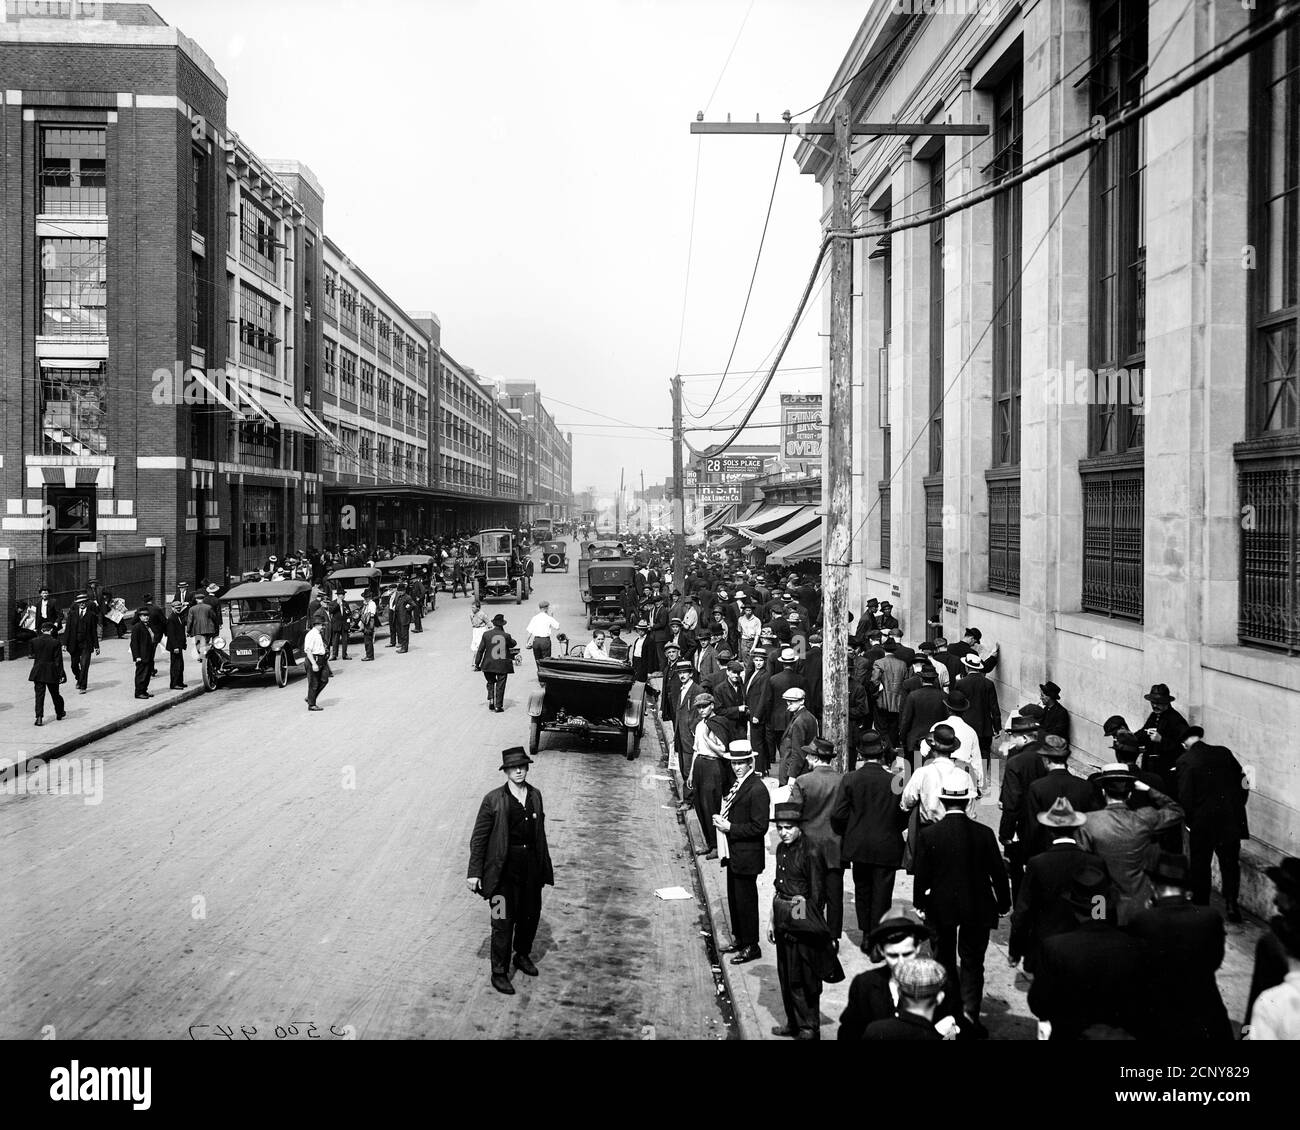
(509, 863)
(742, 827)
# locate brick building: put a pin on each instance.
(1076, 424)
(548, 454)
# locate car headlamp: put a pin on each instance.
(263, 641)
(219, 642)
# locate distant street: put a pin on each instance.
(254, 865)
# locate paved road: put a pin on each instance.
(253, 865)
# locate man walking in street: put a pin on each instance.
(143, 645)
(509, 864)
(47, 671)
(540, 631)
(495, 659)
(1056, 782)
(742, 827)
(81, 638)
(369, 618)
(175, 641)
(316, 659)
(204, 624)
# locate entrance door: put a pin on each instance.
(933, 600)
(73, 520)
(211, 558)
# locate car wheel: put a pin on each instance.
(281, 669)
(535, 737)
(210, 680)
(633, 745)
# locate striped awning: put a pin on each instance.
(792, 526)
(806, 547)
(762, 520)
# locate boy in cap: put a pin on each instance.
(800, 730)
(509, 864)
(920, 982)
(797, 928)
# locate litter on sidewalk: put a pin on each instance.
(671, 893)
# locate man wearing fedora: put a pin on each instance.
(1213, 792)
(509, 864)
(1024, 766)
(923, 788)
(1056, 719)
(922, 985)
(961, 889)
(815, 792)
(797, 927)
(1057, 781)
(1041, 911)
(640, 651)
(984, 713)
(1162, 733)
(800, 730)
(922, 708)
(1127, 837)
(1186, 944)
(47, 672)
(874, 995)
(1091, 981)
(742, 825)
(885, 620)
(495, 658)
(81, 638)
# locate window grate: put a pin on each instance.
(1004, 537)
(1269, 612)
(1113, 505)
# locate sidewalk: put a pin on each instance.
(107, 706)
(756, 992)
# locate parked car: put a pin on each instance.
(268, 623)
(555, 556)
(589, 698)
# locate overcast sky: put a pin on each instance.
(525, 169)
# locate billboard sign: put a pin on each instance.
(801, 427)
(713, 495)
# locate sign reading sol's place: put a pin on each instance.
(801, 426)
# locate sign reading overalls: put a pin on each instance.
(801, 429)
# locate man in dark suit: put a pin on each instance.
(1041, 910)
(175, 638)
(921, 983)
(743, 823)
(672, 687)
(143, 645)
(1056, 719)
(47, 671)
(870, 824)
(961, 888)
(758, 708)
(1023, 768)
(641, 651)
(1091, 981)
(509, 864)
(778, 716)
(811, 671)
(1213, 792)
(984, 715)
(81, 638)
(657, 617)
(47, 611)
(1186, 948)
(729, 701)
(403, 616)
(800, 730)
(1056, 782)
(1163, 734)
(873, 995)
(495, 658)
(923, 708)
(684, 716)
(815, 793)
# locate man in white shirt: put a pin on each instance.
(541, 628)
(596, 648)
(926, 785)
(968, 756)
(750, 626)
(313, 657)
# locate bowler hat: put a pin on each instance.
(901, 923)
(928, 673)
(1159, 693)
(1055, 748)
(871, 743)
(973, 633)
(1171, 870)
(787, 813)
(956, 702)
(1050, 689)
(943, 740)
(819, 747)
(1062, 815)
(920, 978)
(514, 757)
(1127, 746)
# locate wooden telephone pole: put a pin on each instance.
(837, 480)
(679, 494)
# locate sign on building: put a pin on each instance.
(743, 466)
(801, 427)
(714, 494)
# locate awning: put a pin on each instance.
(244, 396)
(806, 547)
(222, 398)
(284, 413)
(763, 520)
(714, 521)
(794, 525)
(320, 427)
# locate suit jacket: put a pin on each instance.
(811, 672)
(983, 715)
(81, 630)
(1127, 839)
(749, 815)
(779, 713)
(684, 718)
(1041, 911)
(869, 1000)
(921, 710)
(1042, 794)
(817, 791)
(758, 696)
(1186, 947)
(867, 817)
(904, 1026)
(1056, 720)
(1093, 975)
(143, 643)
(47, 660)
(960, 878)
(799, 731)
(1023, 768)
(493, 656)
(1212, 790)
(1163, 754)
(489, 842)
(48, 613)
(175, 633)
(728, 700)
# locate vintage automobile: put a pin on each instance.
(268, 623)
(354, 583)
(596, 551)
(396, 569)
(587, 698)
(499, 569)
(555, 555)
(541, 530)
(610, 593)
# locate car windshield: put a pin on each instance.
(255, 610)
(351, 580)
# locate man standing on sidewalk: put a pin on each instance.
(316, 660)
(81, 638)
(47, 671)
(541, 628)
(369, 617)
(143, 645)
(175, 638)
(742, 825)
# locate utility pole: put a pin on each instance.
(641, 509)
(679, 494)
(837, 480)
(618, 505)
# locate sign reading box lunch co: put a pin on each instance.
(713, 494)
(801, 427)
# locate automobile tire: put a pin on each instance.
(210, 680)
(535, 737)
(633, 745)
(281, 669)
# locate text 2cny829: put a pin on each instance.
(295, 1029)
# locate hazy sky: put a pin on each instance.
(525, 169)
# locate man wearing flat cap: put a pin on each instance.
(785, 678)
(798, 928)
(873, 995)
(1213, 791)
(742, 826)
(509, 863)
(1127, 838)
(922, 986)
(800, 730)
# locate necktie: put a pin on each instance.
(724, 848)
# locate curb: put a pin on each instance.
(109, 728)
(742, 1006)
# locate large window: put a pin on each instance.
(367, 385)
(366, 313)
(198, 304)
(73, 172)
(257, 325)
(257, 244)
(347, 375)
(348, 308)
(74, 274)
(936, 320)
(331, 367)
(198, 192)
(74, 411)
(331, 308)
(1268, 462)
(1112, 476)
(884, 252)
